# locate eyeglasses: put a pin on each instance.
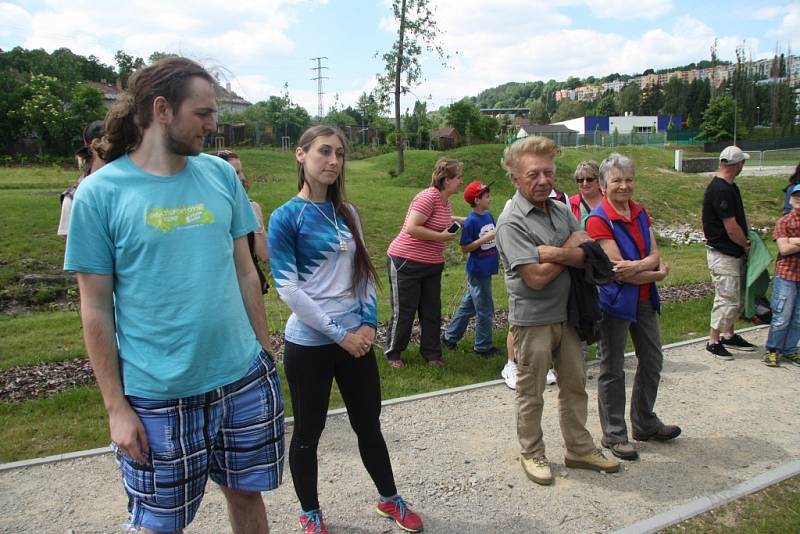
(587, 180)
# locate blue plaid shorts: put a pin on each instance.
(233, 434)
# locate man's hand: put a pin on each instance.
(128, 433)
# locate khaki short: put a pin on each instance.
(727, 273)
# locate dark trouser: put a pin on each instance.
(611, 382)
(310, 372)
(415, 289)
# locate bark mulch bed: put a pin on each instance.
(44, 379)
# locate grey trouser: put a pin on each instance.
(535, 347)
(611, 382)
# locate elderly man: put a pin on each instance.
(538, 239)
(725, 227)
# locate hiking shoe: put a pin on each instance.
(436, 363)
(537, 469)
(312, 522)
(449, 345)
(737, 342)
(794, 359)
(623, 450)
(509, 374)
(664, 433)
(398, 510)
(719, 351)
(551, 377)
(396, 364)
(595, 460)
(771, 359)
(493, 351)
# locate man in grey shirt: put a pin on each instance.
(538, 240)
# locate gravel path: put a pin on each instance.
(455, 459)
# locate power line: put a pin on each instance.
(319, 78)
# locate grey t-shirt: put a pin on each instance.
(520, 229)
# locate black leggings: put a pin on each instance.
(310, 372)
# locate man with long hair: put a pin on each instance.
(172, 311)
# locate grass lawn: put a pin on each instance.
(29, 212)
(774, 510)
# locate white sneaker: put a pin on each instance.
(551, 377)
(509, 374)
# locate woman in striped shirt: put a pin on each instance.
(416, 262)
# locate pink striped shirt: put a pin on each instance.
(428, 202)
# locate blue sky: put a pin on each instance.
(262, 44)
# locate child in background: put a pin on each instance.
(477, 238)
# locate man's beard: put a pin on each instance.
(179, 147)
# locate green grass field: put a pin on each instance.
(29, 213)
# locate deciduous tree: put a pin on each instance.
(417, 31)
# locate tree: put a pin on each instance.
(155, 56)
(460, 114)
(569, 109)
(607, 105)
(628, 99)
(85, 106)
(538, 112)
(127, 65)
(720, 119)
(652, 100)
(42, 112)
(417, 31)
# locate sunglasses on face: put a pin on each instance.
(587, 180)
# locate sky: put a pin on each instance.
(261, 45)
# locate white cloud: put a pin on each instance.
(14, 22)
(541, 50)
(789, 22)
(768, 12)
(246, 31)
(629, 9)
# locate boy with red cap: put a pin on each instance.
(477, 238)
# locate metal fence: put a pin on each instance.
(773, 158)
(605, 139)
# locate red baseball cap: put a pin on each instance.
(475, 189)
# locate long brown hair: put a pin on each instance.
(364, 270)
(168, 77)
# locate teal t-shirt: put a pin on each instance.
(181, 325)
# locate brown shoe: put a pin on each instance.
(537, 469)
(664, 433)
(623, 450)
(595, 460)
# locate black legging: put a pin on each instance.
(310, 372)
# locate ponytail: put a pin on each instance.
(122, 134)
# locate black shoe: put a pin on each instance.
(664, 433)
(737, 342)
(623, 450)
(719, 351)
(493, 351)
(449, 345)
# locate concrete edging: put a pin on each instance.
(338, 411)
(709, 502)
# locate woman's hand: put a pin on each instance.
(356, 344)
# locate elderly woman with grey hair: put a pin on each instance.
(623, 229)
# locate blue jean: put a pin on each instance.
(784, 330)
(477, 302)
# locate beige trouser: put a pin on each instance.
(535, 348)
(726, 273)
